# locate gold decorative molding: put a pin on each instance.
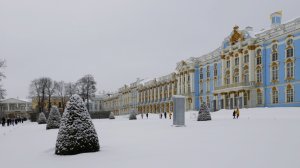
(236, 36)
(251, 47)
(240, 51)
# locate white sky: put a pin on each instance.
(118, 40)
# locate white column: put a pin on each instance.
(251, 65)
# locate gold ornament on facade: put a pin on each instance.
(240, 51)
(251, 47)
(236, 36)
(222, 56)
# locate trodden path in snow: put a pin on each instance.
(262, 137)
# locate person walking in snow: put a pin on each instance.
(237, 113)
(147, 115)
(3, 121)
(170, 115)
(160, 115)
(233, 114)
(165, 114)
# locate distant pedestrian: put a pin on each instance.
(170, 115)
(147, 115)
(234, 113)
(160, 115)
(3, 121)
(237, 113)
(165, 114)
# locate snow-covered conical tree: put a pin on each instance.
(76, 132)
(42, 118)
(132, 115)
(53, 121)
(111, 115)
(204, 113)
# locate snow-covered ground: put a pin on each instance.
(261, 138)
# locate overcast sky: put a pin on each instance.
(118, 40)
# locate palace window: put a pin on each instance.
(258, 60)
(236, 77)
(228, 64)
(274, 56)
(201, 73)
(215, 70)
(258, 75)
(207, 72)
(289, 94)
(201, 87)
(289, 52)
(227, 78)
(246, 76)
(207, 86)
(236, 61)
(290, 70)
(274, 47)
(258, 52)
(259, 97)
(246, 58)
(274, 95)
(274, 73)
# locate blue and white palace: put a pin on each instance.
(248, 70)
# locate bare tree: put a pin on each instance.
(70, 89)
(60, 91)
(50, 88)
(35, 92)
(2, 75)
(38, 90)
(87, 88)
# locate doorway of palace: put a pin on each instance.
(221, 104)
(214, 105)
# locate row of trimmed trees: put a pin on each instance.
(43, 89)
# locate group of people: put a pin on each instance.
(236, 113)
(160, 115)
(12, 121)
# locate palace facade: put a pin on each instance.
(248, 70)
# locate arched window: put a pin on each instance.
(215, 70)
(207, 72)
(259, 97)
(274, 95)
(289, 52)
(258, 75)
(246, 74)
(274, 73)
(201, 73)
(290, 69)
(227, 78)
(289, 94)
(236, 76)
(258, 60)
(289, 49)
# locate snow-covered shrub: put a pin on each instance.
(42, 118)
(132, 115)
(204, 113)
(76, 132)
(111, 115)
(53, 121)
